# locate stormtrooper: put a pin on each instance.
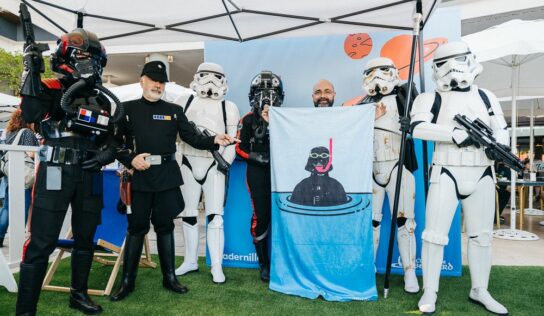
(212, 113)
(461, 170)
(382, 83)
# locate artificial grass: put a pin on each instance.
(520, 289)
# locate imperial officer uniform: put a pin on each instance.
(152, 127)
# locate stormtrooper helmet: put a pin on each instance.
(210, 81)
(380, 76)
(454, 66)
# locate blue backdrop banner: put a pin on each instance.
(301, 62)
(322, 202)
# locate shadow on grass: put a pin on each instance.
(518, 288)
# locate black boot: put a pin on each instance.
(131, 260)
(81, 267)
(264, 263)
(165, 246)
(30, 285)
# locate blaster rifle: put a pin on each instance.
(222, 165)
(33, 60)
(483, 134)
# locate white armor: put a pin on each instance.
(464, 174)
(382, 76)
(200, 174)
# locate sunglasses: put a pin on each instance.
(323, 155)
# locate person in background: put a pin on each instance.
(15, 126)
(503, 191)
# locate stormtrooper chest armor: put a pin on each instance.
(465, 103)
(207, 114)
(387, 135)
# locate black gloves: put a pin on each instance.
(463, 139)
(100, 159)
(490, 154)
(262, 159)
(404, 124)
(469, 141)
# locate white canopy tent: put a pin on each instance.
(160, 23)
(133, 91)
(141, 22)
(512, 51)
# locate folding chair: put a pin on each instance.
(109, 241)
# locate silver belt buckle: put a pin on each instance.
(154, 159)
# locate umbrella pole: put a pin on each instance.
(514, 115)
(513, 233)
(400, 165)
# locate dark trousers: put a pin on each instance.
(258, 180)
(80, 189)
(504, 197)
(159, 207)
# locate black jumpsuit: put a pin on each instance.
(79, 188)
(258, 175)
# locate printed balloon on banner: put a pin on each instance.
(358, 45)
(398, 50)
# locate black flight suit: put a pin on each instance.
(152, 127)
(257, 153)
(64, 150)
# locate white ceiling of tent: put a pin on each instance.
(160, 17)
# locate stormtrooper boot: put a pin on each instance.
(407, 250)
(216, 243)
(190, 261)
(431, 257)
(376, 240)
(479, 263)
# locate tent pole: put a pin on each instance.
(422, 90)
(400, 168)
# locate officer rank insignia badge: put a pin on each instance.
(162, 117)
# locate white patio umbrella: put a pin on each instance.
(511, 51)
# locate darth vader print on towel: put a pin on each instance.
(319, 189)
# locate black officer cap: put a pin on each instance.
(156, 70)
